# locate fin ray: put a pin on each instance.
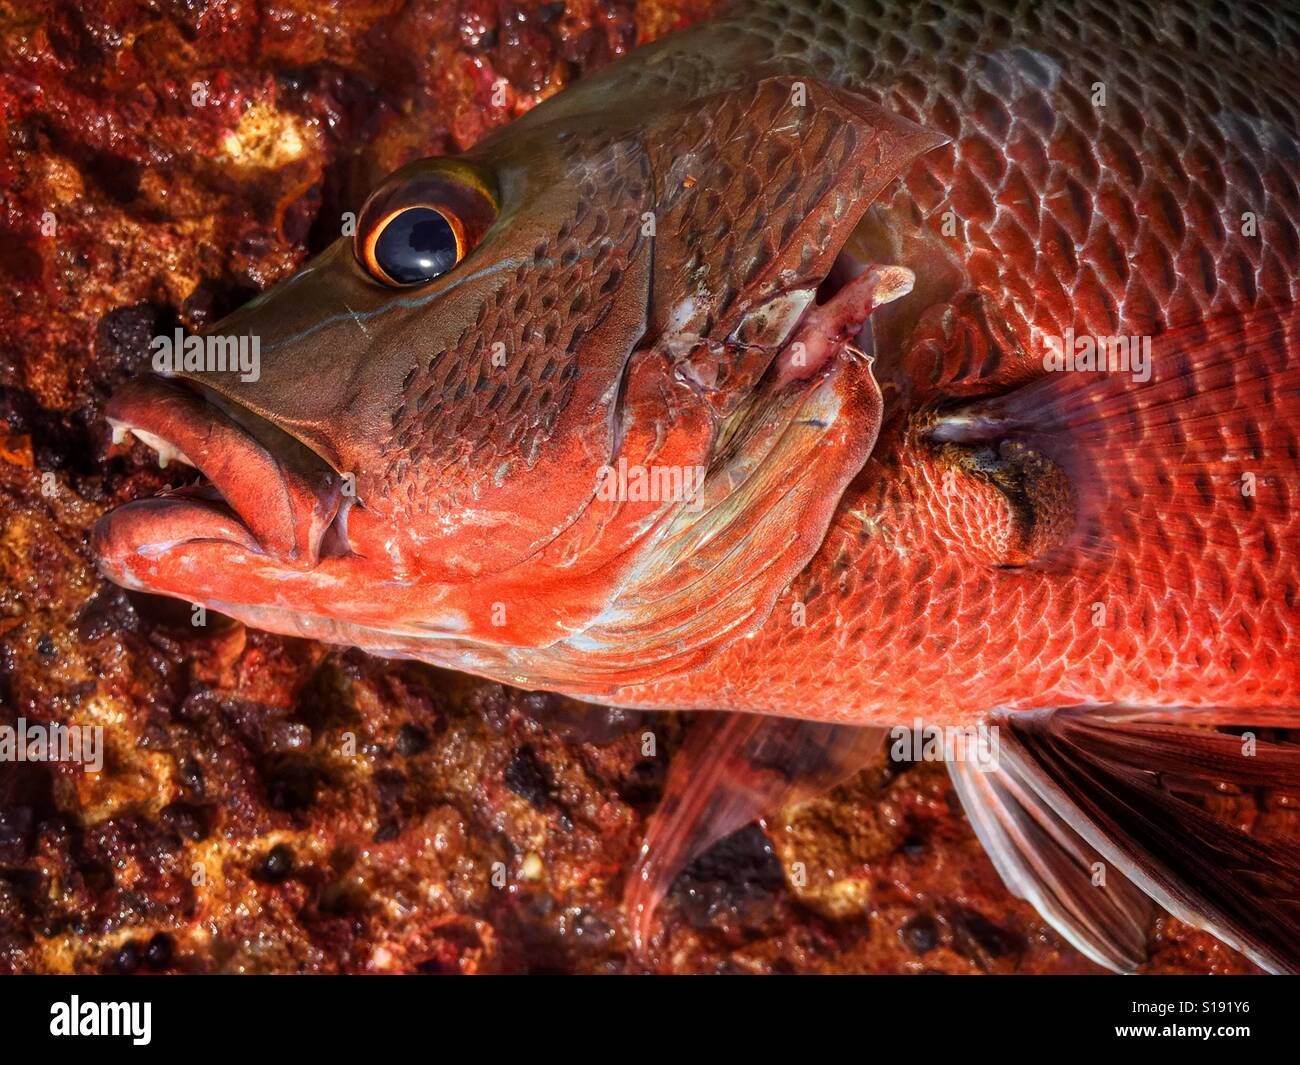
(1201, 456)
(1041, 859)
(1122, 783)
(733, 769)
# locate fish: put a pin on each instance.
(857, 372)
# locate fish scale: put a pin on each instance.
(916, 621)
(458, 403)
(1113, 218)
(1127, 228)
(944, 579)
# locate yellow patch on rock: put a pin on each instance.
(267, 138)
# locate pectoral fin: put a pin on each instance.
(1043, 860)
(1126, 788)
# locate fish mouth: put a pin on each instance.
(259, 489)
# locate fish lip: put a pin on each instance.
(266, 492)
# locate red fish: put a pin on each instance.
(840, 367)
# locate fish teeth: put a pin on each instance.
(164, 451)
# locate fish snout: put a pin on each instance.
(257, 488)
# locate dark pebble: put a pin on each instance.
(411, 739)
(159, 951)
(920, 934)
(977, 933)
(192, 776)
(913, 846)
(526, 777)
(292, 786)
(125, 332)
(127, 959)
(277, 864)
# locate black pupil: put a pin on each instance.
(417, 245)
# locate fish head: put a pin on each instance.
(564, 411)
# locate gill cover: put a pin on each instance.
(755, 191)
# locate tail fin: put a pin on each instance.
(1126, 788)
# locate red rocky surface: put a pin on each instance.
(269, 804)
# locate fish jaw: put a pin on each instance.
(587, 613)
(272, 535)
(266, 492)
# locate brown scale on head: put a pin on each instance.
(478, 413)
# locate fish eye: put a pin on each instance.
(415, 244)
(423, 221)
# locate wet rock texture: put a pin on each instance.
(271, 805)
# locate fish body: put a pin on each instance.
(1100, 165)
(841, 362)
